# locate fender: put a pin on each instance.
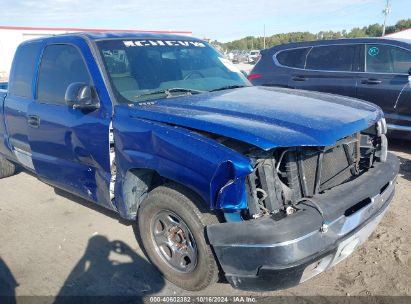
(216, 173)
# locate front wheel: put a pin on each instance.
(171, 228)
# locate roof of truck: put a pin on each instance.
(95, 36)
(139, 35)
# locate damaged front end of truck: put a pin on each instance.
(308, 208)
(299, 188)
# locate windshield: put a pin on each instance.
(141, 70)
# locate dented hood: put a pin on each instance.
(266, 117)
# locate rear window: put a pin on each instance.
(24, 64)
(331, 58)
(294, 58)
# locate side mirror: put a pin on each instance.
(80, 96)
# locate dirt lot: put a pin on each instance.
(246, 67)
(52, 245)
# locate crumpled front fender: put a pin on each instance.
(231, 195)
(215, 172)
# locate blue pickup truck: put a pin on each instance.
(267, 186)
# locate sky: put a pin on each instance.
(223, 20)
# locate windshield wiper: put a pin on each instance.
(168, 92)
(229, 87)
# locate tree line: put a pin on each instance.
(251, 42)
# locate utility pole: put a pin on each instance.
(264, 38)
(386, 11)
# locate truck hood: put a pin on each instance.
(265, 117)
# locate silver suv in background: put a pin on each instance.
(253, 56)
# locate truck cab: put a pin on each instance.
(216, 175)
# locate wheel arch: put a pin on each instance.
(223, 190)
(134, 186)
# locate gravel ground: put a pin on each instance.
(53, 245)
(246, 67)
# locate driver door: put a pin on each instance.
(70, 147)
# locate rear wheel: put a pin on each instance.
(6, 168)
(171, 227)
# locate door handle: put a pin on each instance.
(299, 78)
(371, 81)
(33, 121)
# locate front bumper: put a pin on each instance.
(271, 253)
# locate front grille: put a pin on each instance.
(302, 172)
(335, 168)
(322, 169)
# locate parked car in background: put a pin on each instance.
(239, 56)
(3, 85)
(372, 69)
(233, 55)
(253, 56)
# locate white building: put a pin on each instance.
(404, 34)
(12, 36)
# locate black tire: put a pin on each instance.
(6, 168)
(188, 207)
